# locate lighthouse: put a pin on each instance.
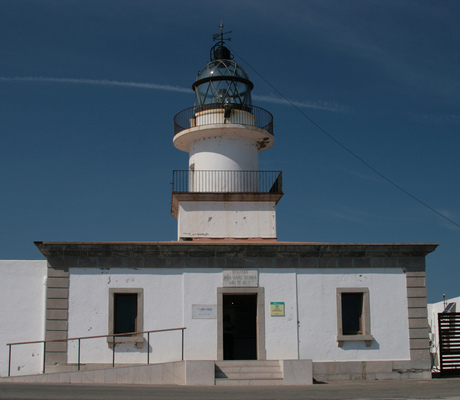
(223, 194)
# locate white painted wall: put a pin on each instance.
(280, 332)
(318, 314)
(224, 153)
(223, 220)
(200, 287)
(89, 307)
(22, 314)
(169, 295)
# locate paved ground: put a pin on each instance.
(434, 389)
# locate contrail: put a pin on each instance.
(99, 82)
(167, 88)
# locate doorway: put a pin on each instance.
(239, 320)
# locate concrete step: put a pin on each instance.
(249, 382)
(248, 369)
(248, 363)
(244, 372)
(249, 375)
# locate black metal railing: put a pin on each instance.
(449, 343)
(202, 181)
(252, 116)
(112, 336)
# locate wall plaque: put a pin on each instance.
(277, 309)
(240, 278)
(204, 311)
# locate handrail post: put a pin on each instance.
(148, 348)
(79, 354)
(44, 356)
(182, 344)
(113, 352)
(9, 359)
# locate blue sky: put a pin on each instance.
(89, 90)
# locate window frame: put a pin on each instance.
(365, 335)
(136, 339)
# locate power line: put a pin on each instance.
(345, 147)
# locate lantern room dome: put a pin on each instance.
(222, 82)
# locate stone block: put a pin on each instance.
(87, 376)
(415, 323)
(418, 312)
(416, 264)
(196, 262)
(57, 282)
(361, 262)
(122, 375)
(110, 376)
(109, 262)
(60, 358)
(56, 346)
(199, 373)
(415, 281)
(325, 368)
(52, 325)
(55, 335)
(420, 354)
(285, 262)
(416, 292)
(241, 263)
(57, 304)
(419, 344)
(56, 314)
(98, 376)
(418, 333)
(155, 375)
(134, 375)
(308, 262)
(414, 302)
(132, 262)
(60, 293)
(154, 262)
(87, 262)
(411, 365)
(373, 367)
(75, 377)
(297, 372)
(327, 262)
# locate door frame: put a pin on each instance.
(260, 322)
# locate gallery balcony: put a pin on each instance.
(214, 186)
(213, 114)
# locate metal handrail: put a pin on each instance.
(215, 181)
(259, 117)
(113, 336)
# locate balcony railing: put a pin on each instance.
(227, 182)
(251, 116)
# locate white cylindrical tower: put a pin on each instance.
(223, 134)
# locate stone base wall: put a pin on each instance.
(370, 370)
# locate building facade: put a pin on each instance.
(227, 289)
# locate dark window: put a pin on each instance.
(125, 312)
(352, 312)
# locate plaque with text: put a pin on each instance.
(277, 309)
(240, 278)
(204, 311)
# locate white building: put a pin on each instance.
(327, 310)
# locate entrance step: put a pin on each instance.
(236, 372)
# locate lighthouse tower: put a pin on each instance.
(223, 195)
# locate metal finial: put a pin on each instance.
(220, 36)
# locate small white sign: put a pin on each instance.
(204, 311)
(240, 278)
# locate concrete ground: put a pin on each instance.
(407, 389)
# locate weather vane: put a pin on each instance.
(220, 36)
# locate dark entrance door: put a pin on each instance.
(240, 326)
